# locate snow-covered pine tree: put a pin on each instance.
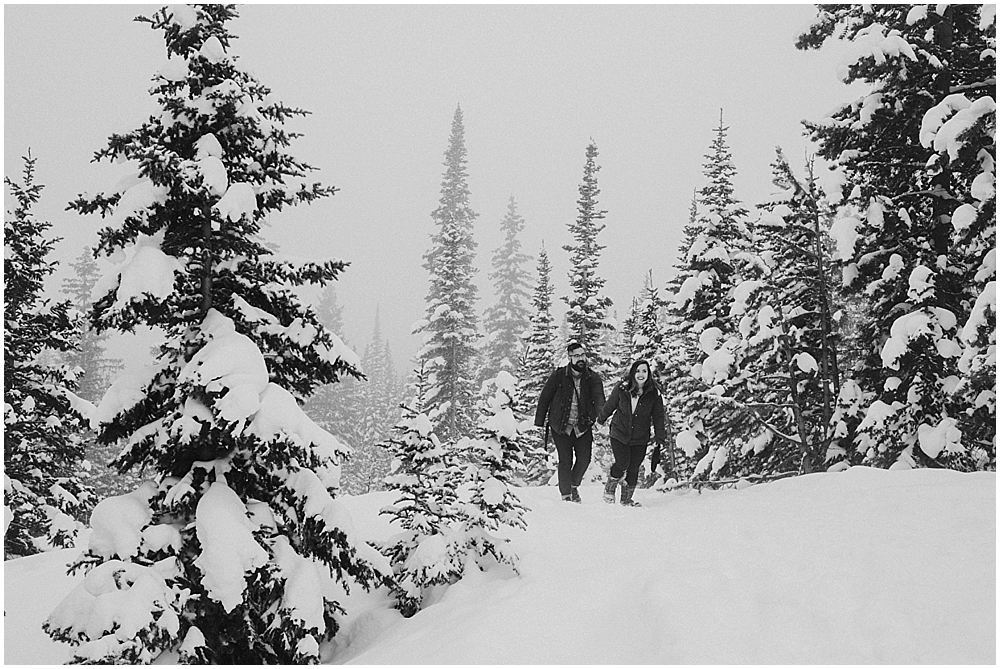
(390, 395)
(91, 353)
(623, 349)
(783, 363)
(42, 417)
(235, 550)
(647, 338)
(541, 355)
(486, 501)
(677, 358)
(416, 389)
(329, 311)
(540, 358)
(508, 318)
(335, 407)
(701, 308)
(379, 411)
(722, 233)
(587, 312)
(539, 463)
(95, 375)
(917, 234)
(428, 552)
(587, 315)
(450, 327)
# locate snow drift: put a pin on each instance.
(864, 566)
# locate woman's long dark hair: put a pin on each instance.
(631, 386)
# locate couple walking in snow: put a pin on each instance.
(572, 400)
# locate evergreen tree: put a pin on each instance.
(678, 355)
(782, 361)
(722, 233)
(647, 337)
(486, 501)
(234, 551)
(95, 372)
(541, 355)
(588, 309)
(540, 359)
(329, 311)
(428, 552)
(623, 351)
(335, 407)
(701, 313)
(417, 388)
(90, 355)
(449, 329)
(917, 233)
(508, 319)
(389, 397)
(41, 446)
(379, 411)
(587, 318)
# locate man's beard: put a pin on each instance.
(580, 365)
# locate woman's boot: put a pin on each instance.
(627, 491)
(609, 489)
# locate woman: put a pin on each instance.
(635, 403)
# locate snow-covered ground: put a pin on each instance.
(858, 567)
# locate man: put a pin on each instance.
(567, 408)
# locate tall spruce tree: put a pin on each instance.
(626, 335)
(329, 311)
(91, 354)
(540, 353)
(783, 371)
(917, 234)
(335, 407)
(378, 412)
(508, 318)
(540, 358)
(647, 338)
(42, 446)
(587, 313)
(701, 312)
(96, 372)
(233, 551)
(450, 327)
(722, 234)
(678, 355)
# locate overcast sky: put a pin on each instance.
(536, 83)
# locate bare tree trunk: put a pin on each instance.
(800, 422)
(206, 259)
(828, 353)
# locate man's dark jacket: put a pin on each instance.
(557, 395)
(633, 428)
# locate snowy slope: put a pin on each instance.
(859, 567)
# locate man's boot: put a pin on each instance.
(610, 487)
(575, 495)
(627, 491)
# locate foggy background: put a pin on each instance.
(535, 83)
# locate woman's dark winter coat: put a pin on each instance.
(557, 395)
(633, 428)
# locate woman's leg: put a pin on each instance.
(621, 464)
(635, 455)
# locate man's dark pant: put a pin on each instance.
(570, 472)
(628, 459)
